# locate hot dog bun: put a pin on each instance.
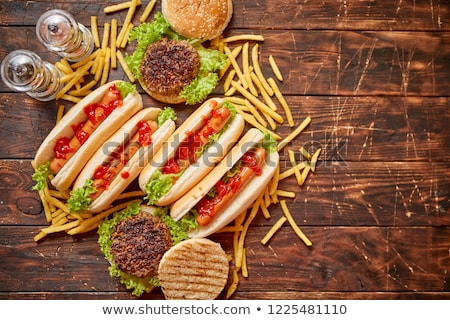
(68, 173)
(242, 200)
(196, 171)
(135, 164)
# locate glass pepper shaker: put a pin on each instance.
(24, 71)
(60, 33)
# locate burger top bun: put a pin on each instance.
(203, 19)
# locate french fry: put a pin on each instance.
(127, 21)
(90, 57)
(113, 43)
(39, 236)
(294, 133)
(297, 173)
(267, 99)
(255, 113)
(243, 234)
(119, 6)
(275, 180)
(106, 34)
(286, 194)
(235, 53)
(100, 66)
(290, 172)
(94, 31)
(275, 69)
(244, 37)
(284, 104)
(85, 90)
(246, 70)
(236, 67)
(60, 112)
(294, 226)
(63, 67)
(70, 98)
(257, 103)
(228, 79)
(124, 42)
(304, 153)
(83, 226)
(233, 286)
(105, 72)
(277, 226)
(314, 159)
(45, 204)
(244, 264)
(77, 75)
(125, 67)
(130, 194)
(148, 9)
(63, 227)
(258, 71)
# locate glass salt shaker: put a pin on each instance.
(60, 33)
(24, 71)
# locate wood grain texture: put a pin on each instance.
(374, 78)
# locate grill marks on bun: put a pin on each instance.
(193, 269)
(204, 19)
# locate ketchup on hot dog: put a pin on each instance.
(251, 164)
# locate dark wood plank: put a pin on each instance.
(348, 15)
(369, 260)
(343, 63)
(338, 194)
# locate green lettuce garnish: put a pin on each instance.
(40, 176)
(269, 142)
(158, 185)
(125, 88)
(178, 231)
(80, 199)
(166, 114)
(211, 61)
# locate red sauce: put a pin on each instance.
(145, 133)
(62, 148)
(96, 113)
(101, 171)
(125, 174)
(171, 166)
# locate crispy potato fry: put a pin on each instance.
(63, 227)
(124, 42)
(236, 67)
(70, 98)
(290, 172)
(284, 104)
(277, 226)
(314, 159)
(127, 21)
(228, 79)
(297, 173)
(125, 67)
(106, 34)
(244, 37)
(94, 31)
(293, 224)
(275, 180)
(119, 6)
(267, 99)
(113, 43)
(275, 69)
(60, 112)
(258, 71)
(286, 194)
(257, 103)
(77, 75)
(235, 53)
(294, 133)
(233, 286)
(85, 90)
(246, 70)
(148, 9)
(105, 72)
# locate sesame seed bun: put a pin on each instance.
(198, 18)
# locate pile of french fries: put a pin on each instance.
(256, 97)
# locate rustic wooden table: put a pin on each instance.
(374, 77)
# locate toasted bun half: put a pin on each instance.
(198, 18)
(242, 200)
(67, 175)
(135, 164)
(193, 269)
(204, 164)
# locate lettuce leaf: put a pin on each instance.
(211, 62)
(80, 199)
(166, 114)
(269, 142)
(125, 88)
(40, 176)
(158, 185)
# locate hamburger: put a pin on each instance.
(202, 19)
(170, 67)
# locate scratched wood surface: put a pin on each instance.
(373, 76)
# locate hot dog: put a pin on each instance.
(84, 128)
(120, 159)
(232, 186)
(191, 152)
